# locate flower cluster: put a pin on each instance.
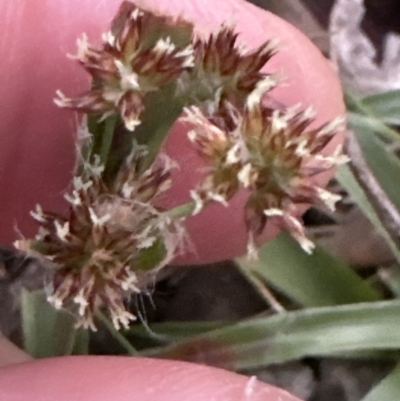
(112, 236)
(226, 70)
(138, 56)
(274, 155)
(143, 52)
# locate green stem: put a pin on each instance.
(107, 138)
(357, 107)
(261, 288)
(116, 334)
(184, 210)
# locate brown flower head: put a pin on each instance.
(142, 52)
(273, 155)
(111, 238)
(226, 70)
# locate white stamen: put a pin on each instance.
(62, 231)
(217, 198)
(81, 301)
(273, 212)
(42, 232)
(38, 214)
(307, 245)
(62, 100)
(279, 121)
(298, 233)
(129, 282)
(334, 125)
(110, 38)
(255, 97)
(136, 13)
(147, 242)
(96, 168)
(301, 149)
(73, 199)
(328, 198)
(129, 79)
(127, 190)
(309, 113)
(56, 301)
(192, 135)
(187, 54)
(232, 156)
(98, 221)
(121, 317)
(244, 175)
(164, 46)
(131, 123)
(198, 202)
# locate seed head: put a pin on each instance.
(113, 235)
(272, 154)
(138, 56)
(224, 70)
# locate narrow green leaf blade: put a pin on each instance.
(383, 163)
(314, 332)
(311, 280)
(47, 331)
(385, 105)
(388, 389)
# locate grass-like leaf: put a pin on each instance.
(47, 331)
(313, 332)
(385, 105)
(388, 389)
(383, 163)
(311, 280)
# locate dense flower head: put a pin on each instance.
(225, 69)
(115, 237)
(139, 55)
(144, 51)
(103, 249)
(274, 155)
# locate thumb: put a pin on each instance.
(129, 378)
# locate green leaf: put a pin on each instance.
(388, 389)
(385, 105)
(383, 163)
(313, 332)
(47, 331)
(361, 123)
(149, 258)
(350, 184)
(311, 280)
(162, 109)
(81, 343)
(173, 331)
(363, 114)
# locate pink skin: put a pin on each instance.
(37, 158)
(86, 379)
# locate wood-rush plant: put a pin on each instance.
(151, 71)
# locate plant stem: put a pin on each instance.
(359, 112)
(116, 334)
(262, 289)
(184, 210)
(107, 138)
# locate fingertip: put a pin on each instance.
(98, 378)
